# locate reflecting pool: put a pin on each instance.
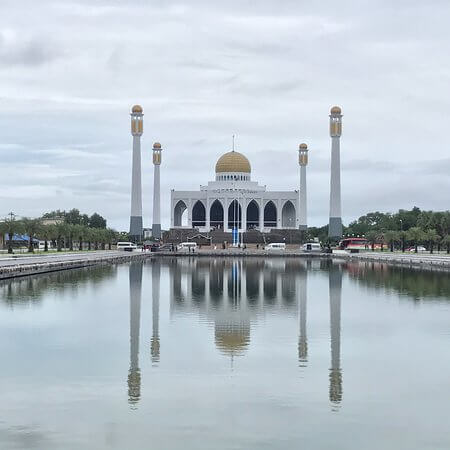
(226, 353)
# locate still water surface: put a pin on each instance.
(226, 354)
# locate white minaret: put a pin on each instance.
(137, 127)
(335, 224)
(303, 161)
(156, 228)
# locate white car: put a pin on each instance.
(126, 246)
(311, 247)
(420, 248)
(276, 246)
(187, 246)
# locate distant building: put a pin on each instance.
(52, 221)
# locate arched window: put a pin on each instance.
(288, 215)
(180, 214)
(234, 215)
(216, 215)
(198, 214)
(270, 215)
(252, 215)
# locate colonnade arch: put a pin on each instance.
(270, 215)
(288, 215)
(252, 215)
(216, 215)
(180, 214)
(198, 214)
(234, 215)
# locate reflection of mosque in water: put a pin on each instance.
(231, 294)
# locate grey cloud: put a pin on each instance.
(30, 52)
(206, 70)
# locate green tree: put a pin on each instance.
(97, 221)
(446, 242)
(73, 217)
(31, 228)
(431, 237)
(45, 235)
(11, 226)
(112, 237)
(391, 237)
(372, 238)
(416, 236)
(61, 230)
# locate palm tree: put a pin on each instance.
(372, 237)
(61, 229)
(31, 228)
(403, 236)
(112, 236)
(391, 237)
(446, 241)
(11, 227)
(416, 235)
(45, 234)
(431, 236)
(79, 232)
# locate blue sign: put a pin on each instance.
(235, 236)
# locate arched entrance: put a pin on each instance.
(288, 215)
(270, 215)
(216, 215)
(234, 215)
(180, 214)
(252, 215)
(198, 214)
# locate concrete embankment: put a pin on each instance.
(236, 253)
(32, 265)
(414, 260)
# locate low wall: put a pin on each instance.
(33, 268)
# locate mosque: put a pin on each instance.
(233, 200)
(233, 203)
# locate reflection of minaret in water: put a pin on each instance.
(154, 346)
(335, 329)
(134, 374)
(302, 339)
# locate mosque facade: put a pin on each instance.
(233, 200)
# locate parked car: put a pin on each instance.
(187, 246)
(126, 246)
(420, 248)
(311, 247)
(280, 246)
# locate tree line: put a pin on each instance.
(71, 230)
(398, 230)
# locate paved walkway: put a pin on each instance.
(411, 259)
(11, 267)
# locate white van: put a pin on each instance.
(187, 246)
(276, 246)
(126, 246)
(311, 247)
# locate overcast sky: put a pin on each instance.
(266, 70)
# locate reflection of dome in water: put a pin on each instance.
(232, 339)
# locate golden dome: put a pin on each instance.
(233, 162)
(303, 146)
(156, 145)
(335, 110)
(137, 109)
